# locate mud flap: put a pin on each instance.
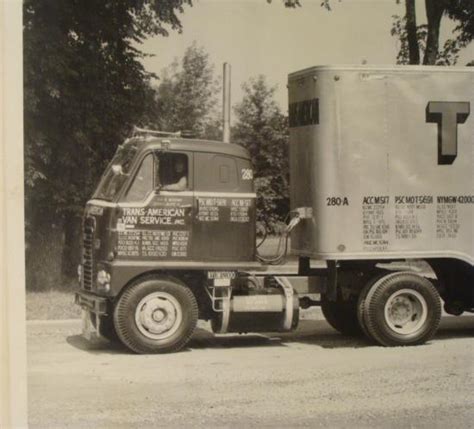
(331, 291)
(89, 331)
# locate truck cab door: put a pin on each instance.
(224, 210)
(155, 219)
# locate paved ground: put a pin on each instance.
(311, 378)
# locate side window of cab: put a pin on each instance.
(216, 173)
(173, 171)
(160, 170)
(142, 183)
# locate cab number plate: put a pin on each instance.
(219, 275)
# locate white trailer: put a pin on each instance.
(381, 168)
(381, 173)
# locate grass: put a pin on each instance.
(51, 304)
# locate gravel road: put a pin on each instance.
(313, 377)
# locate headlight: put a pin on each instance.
(103, 277)
(103, 280)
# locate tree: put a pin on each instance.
(425, 38)
(187, 95)
(263, 130)
(414, 39)
(84, 88)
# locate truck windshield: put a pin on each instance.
(112, 181)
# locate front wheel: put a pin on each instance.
(156, 315)
(401, 309)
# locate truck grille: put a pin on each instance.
(88, 246)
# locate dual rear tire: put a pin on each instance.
(395, 309)
(341, 315)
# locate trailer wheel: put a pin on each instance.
(341, 315)
(402, 309)
(156, 316)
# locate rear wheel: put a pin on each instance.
(361, 304)
(341, 315)
(401, 309)
(156, 315)
(361, 311)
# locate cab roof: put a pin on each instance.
(188, 145)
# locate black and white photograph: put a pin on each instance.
(231, 214)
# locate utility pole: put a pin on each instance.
(226, 104)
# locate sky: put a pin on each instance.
(260, 38)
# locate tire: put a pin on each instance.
(341, 315)
(402, 309)
(361, 310)
(156, 315)
(361, 304)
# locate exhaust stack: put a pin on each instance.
(226, 104)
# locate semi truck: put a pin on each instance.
(381, 220)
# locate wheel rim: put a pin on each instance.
(406, 311)
(158, 315)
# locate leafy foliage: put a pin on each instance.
(399, 30)
(263, 130)
(187, 95)
(425, 38)
(427, 35)
(84, 88)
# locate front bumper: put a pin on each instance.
(90, 302)
(93, 307)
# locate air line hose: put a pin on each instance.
(282, 248)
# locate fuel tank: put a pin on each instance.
(272, 309)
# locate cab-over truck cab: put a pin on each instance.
(170, 225)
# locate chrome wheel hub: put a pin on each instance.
(406, 311)
(158, 315)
